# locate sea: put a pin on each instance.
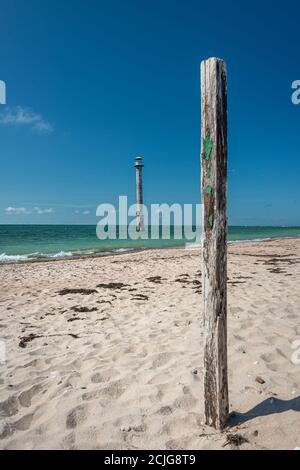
(21, 243)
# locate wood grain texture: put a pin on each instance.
(214, 239)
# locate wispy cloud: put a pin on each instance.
(16, 210)
(82, 212)
(38, 210)
(22, 210)
(19, 116)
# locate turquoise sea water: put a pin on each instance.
(29, 242)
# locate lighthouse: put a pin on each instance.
(139, 194)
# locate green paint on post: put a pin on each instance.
(208, 145)
(208, 174)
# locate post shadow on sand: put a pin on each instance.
(267, 407)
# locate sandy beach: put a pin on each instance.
(106, 353)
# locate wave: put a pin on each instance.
(121, 250)
(61, 254)
(6, 258)
(264, 239)
(247, 240)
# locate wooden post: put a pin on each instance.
(214, 239)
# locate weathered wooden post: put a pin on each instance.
(214, 239)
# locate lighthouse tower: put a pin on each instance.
(139, 194)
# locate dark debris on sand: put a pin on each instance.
(182, 280)
(195, 284)
(235, 440)
(112, 285)
(155, 279)
(140, 297)
(67, 291)
(26, 339)
(83, 309)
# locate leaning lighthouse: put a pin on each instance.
(139, 194)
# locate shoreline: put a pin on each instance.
(127, 251)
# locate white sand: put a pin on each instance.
(126, 382)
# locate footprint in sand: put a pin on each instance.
(101, 377)
(273, 367)
(165, 410)
(267, 357)
(9, 407)
(114, 390)
(23, 423)
(26, 396)
(77, 416)
(161, 359)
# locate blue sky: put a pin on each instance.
(91, 84)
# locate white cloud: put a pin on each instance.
(19, 116)
(42, 127)
(82, 212)
(38, 210)
(22, 210)
(16, 210)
